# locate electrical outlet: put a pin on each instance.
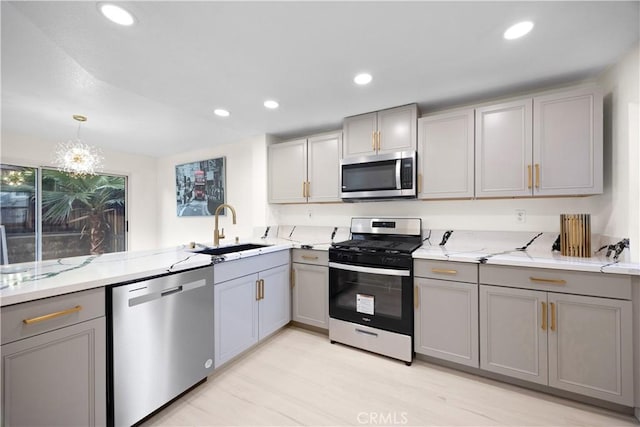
(521, 216)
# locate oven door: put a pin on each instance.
(374, 296)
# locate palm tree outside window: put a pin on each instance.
(66, 216)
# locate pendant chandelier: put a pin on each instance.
(77, 158)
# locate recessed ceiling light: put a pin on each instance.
(220, 112)
(116, 14)
(363, 79)
(271, 104)
(518, 30)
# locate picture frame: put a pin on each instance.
(201, 187)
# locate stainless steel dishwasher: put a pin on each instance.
(161, 341)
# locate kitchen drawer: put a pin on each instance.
(244, 266)
(65, 310)
(562, 281)
(309, 256)
(446, 270)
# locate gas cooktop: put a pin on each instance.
(388, 246)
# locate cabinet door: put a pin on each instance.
(397, 129)
(513, 337)
(445, 155)
(359, 131)
(324, 167)
(235, 317)
(567, 143)
(311, 295)
(446, 320)
(590, 347)
(287, 171)
(56, 378)
(504, 150)
(275, 305)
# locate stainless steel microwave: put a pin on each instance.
(382, 176)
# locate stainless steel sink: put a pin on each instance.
(229, 249)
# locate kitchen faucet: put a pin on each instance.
(216, 234)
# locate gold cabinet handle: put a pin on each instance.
(419, 183)
(373, 140)
(529, 177)
(416, 297)
(50, 316)
(552, 307)
(304, 189)
(537, 175)
(379, 138)
(308, 189)
(443, 271)
(551, 281)
(261, 288)
(257, 290)
(544, 316)
(309, 257)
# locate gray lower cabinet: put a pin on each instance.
(252, 299)
(540, 329)
(446, 311)
(310, 288)
(55, 375)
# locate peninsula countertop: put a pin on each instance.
(34, 280)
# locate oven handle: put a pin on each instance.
(371, 270)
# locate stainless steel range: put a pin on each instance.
(371, 286)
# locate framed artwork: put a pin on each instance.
(200, 187)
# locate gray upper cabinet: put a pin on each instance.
(549, 145)
(385, 131)
(305, 170)
(323, 167)
(287, 172)
(567, 143)
(446, 155)
(504, 149)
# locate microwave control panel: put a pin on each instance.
(406, 174)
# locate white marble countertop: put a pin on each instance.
(34, 280)
(516, 258)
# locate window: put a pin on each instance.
(51, 214)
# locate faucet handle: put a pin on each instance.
(221, 235)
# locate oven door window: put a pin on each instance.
(369, 176)
(376, 300)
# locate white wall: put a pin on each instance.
(141, 170)
(622, 88)
(246, 191)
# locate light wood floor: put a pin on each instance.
(298, 378)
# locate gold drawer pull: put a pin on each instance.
(544, 316)
(443, 271)
(309, 257)
(50, 316)
(537, 175)
(553, 316)
(553, 281)
(529, 177)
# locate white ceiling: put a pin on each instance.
(152, 88)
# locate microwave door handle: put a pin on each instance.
(398, 168)
(370, 270)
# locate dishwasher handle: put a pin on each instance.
(171, 291)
